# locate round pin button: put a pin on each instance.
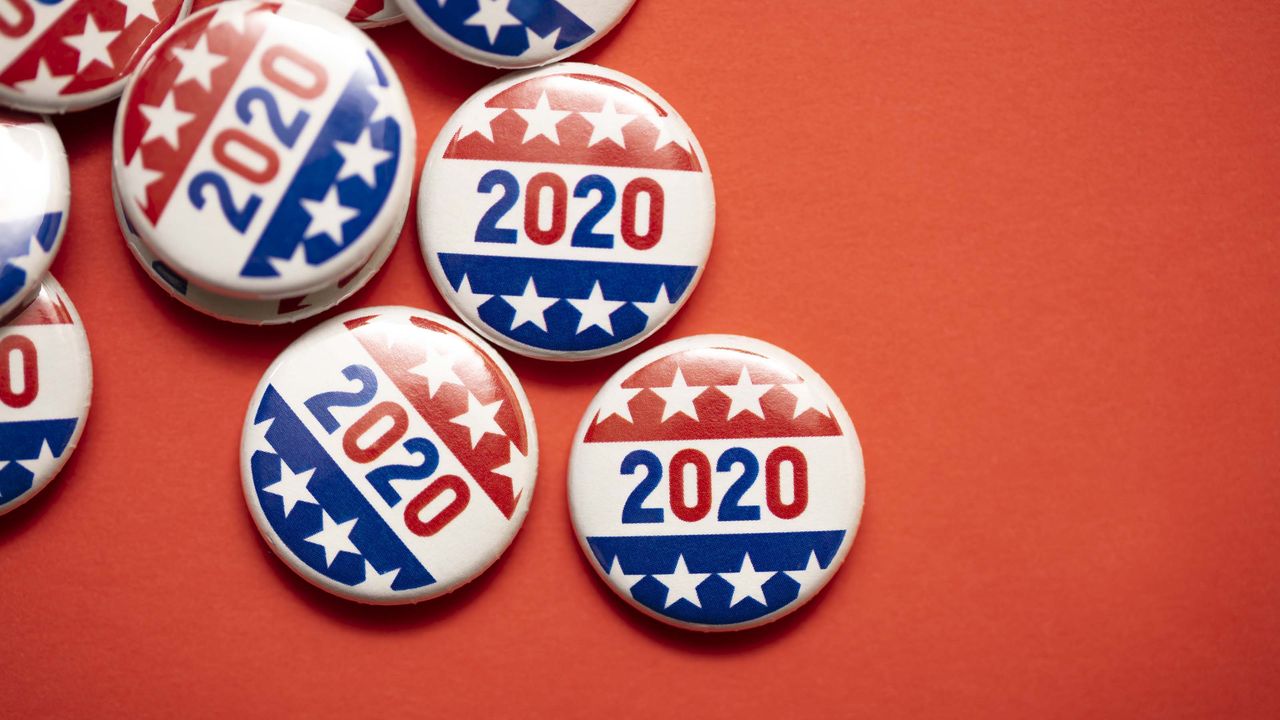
(366, 14)
(566, 212)
(716, 482)
(515, 33)
(46, 379)
(389, 455)
(241, 310)
(263, 147)
(62, 55)
(35, 195)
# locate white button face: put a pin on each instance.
(35, 195)
(367, 14)
(62, 55)
(246, 311)
(389, 455)
(716, 482)
(263, 148)
(46, 379)
(515, 33)
(566, 213)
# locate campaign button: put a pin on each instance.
(389, 455)
(35, 195)
(62, 55)
(566, 212)
(46, 378)
(716, 482)
(515, 33)
(241, 310)
(366, 14)
(264, 147)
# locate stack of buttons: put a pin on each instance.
(71, 55)
(262, 161)
(45, 369)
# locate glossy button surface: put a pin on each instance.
(716, 482)
(367, 14)
(261, 148)
(46, 379)
(515, 33)
(35, 195)
(566, 213)
(63, 55)
(389, 455)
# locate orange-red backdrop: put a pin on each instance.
(1033, 246)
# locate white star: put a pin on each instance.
(595, 310)
(480, 419)
(92, 45)
(513, 469)
(381, 102)
(226, 14)
(379, 583)
(45, 82)
(542, 120)
(670, 132)
(33, 262)
(292, 265)
(361, 158)
(541, 47)
(617, 402)
(658, 310)
(682, 584)
(334, 537)
(438, 370)
(747, 582)
(164, 121)
(198, 64)
(479, 119)
(493, 15)
(530, 307)
(679, 397)
(136, 177)
(327, 216)
(134, 9)
(810, 577)
(607, 124)
(469, 299)
(41, 465)
(805, 400)
(621, 578)
(258, 438)
(745, 395)
(292, 487)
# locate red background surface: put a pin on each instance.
(1033, 246)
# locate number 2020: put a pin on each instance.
(731, 507)
(584, 234)
(359, 449)
(247, 156)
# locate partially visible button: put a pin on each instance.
(264, 148)
(389, 455)
(515, 33)
(61, 56)
(251, 312)
(35, 195)
(46, 379)
(365, 14)
(716, 483)
(566, 213)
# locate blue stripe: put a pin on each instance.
(542, 16)
(630, 282)
(337, 496)
(770, 552)
(23, 440)
(15, 242)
